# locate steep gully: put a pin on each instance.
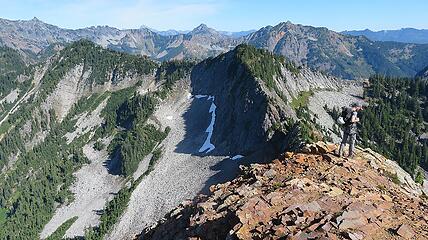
(189, 165)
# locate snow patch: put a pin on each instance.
(236, 157)
(208, 146)
(201, 96)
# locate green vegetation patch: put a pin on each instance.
(261, 64)
(302, 99)
(11, 66)
(60, 231)
(393, 177)
(3, 215)
(396, 118)
(419, 178)
(136, 144)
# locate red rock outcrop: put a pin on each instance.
(311, 195)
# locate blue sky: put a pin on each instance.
(230, 15)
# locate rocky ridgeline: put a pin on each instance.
(308, 195)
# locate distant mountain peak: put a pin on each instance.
(169, 32)
(404, 35)
(149, 28)
(35, 19)
(287, 23)
(202, 26)
(203, 29)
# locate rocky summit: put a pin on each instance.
(312, 194)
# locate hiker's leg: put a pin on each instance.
(343, 143)
(352, 139)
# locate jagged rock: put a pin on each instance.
(303, 196)
(351, 219)
(355, 236)
(405, 231)
(334, 191)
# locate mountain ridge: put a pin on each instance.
(317, 47)
(404, 35)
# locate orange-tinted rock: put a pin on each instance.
(324, 148)
(300, 158)
(288, 154)
(303, 196)
(351, 220)
(405, 231)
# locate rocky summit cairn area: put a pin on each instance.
(309, 195)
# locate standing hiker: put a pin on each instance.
(349, 120)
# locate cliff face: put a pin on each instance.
(312, 195)
(242, 105)
(254, 91)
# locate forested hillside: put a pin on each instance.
(37, 154)
(395, 123)
(11, 66)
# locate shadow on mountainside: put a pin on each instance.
(196, 120)
(113, 164)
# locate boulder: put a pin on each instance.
(405, 231)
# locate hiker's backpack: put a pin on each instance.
(345, 117)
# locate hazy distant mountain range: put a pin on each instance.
(319, 48)
(172, 32)
(405, 35)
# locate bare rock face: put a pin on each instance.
(66, 93)
(250, 107)
(311, 195)
(405, 231)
